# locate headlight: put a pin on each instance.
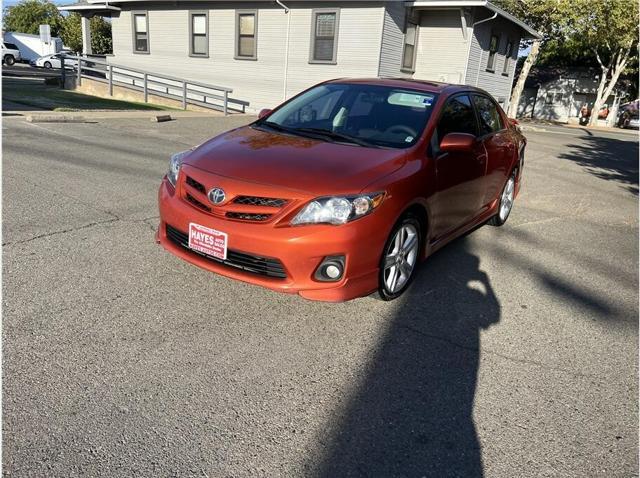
(174, 166)
(338, 210)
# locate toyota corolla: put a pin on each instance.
(341, 191)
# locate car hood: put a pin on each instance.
(293, 162)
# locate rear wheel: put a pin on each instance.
(400, 258)
(506, 201)
(9, 60)
(47, 65)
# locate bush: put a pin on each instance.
(53, 81)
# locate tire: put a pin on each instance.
(47, 65)
(9, 60)
(507, 197)
(405, 237)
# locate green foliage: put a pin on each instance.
(605, 27)
(101, 40)
(28, 15)
(547, 17)
(71, 34)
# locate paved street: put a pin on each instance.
(515, 352)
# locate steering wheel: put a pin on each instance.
(399, 129)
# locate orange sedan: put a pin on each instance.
(342, 190)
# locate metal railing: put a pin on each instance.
(188, 92)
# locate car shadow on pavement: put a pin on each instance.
(608, 158)
(412, 415)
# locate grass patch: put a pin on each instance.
(37, 94)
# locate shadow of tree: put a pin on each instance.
(607, 158)
(412, 414)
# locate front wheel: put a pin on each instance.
(47, 65)
(9, 60)
(506, 201)
(400, 258)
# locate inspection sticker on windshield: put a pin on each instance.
(208, 241)
(410, 99)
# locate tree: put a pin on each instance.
(28, 15)
(609, 29)
(101, 41)
(547, 17)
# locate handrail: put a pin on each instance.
(150, 77)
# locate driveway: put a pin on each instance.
(515, 352)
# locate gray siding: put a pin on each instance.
(392, 40)
(260, 81)
(495, 83)
(442, 46)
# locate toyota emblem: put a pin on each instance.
(217, 196)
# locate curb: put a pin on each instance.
(55, 119)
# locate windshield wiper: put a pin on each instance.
(276, 126)
(337, 136)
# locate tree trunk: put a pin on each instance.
(597, 105)
(512, 111)
(604, 88)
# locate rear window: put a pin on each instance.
(10, 46)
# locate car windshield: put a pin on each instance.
(365, 115)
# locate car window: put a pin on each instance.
(457, 117)
(379, 115)
(10, 46)
(490, 120)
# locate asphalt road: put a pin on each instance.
(515, 353)
(24, 70)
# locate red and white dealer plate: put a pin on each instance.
(208, 241)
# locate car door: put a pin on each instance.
(459, 175)
(498, 143)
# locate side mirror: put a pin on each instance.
(457, 142)
(263, 112)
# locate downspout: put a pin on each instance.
(286, 49)
(473, 27)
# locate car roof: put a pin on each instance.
(421, 85)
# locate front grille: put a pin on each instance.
(196, 185)
(264, 266)
(259, 201)
(197, 203)
(246, 216)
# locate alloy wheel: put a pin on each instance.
(506, 200)
(401, 258)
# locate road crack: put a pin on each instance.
(502, 355)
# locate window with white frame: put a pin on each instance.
(409, 50)
(199, 34)
(324, 35)
(140, 32)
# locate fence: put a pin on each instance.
(149, 83)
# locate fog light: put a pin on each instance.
(330, 269)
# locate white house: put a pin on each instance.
(268, 51)
(558, 94)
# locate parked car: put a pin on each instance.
(53, 61)
(629, 119)
(10, 53)
(342, 190)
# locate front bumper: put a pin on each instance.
(300, 249)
